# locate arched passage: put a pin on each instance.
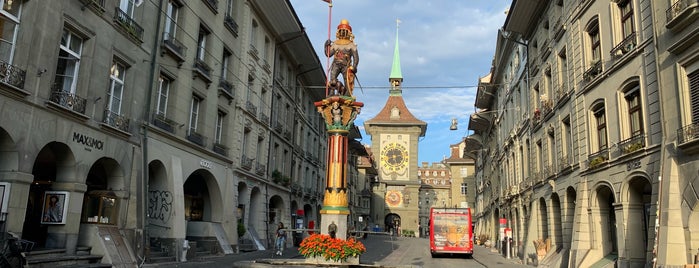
(556, 228)
(569, 216)
(604, 220)
(103, 199)
(543, 220)
(275, 215)
(202, 200)
(637, 215)
(54, 163)
(160, 201)
(393, 222)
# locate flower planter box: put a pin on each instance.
(320, 260)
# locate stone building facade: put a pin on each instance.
(575, 152)
(158, 123)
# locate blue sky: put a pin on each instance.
(445, 46)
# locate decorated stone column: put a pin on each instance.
(339, 113)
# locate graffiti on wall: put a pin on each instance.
(160, 205)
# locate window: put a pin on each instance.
(163, 94)
(539, 156)
(633, 100)
(253, 34)
(171, 14)
(230, 5)
(567, 140)
(220, 117)
(201, 44)
(626, 9)
(9, 19)
(68, 62)
(595, 49)
(552, 148)
(266, 49)
(601, 127)
(194, 114)
(464, 188)
(225, 61)
(563, 70)
(127, 6)
(116, 87)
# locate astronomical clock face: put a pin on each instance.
(394, 157)
(394, 198)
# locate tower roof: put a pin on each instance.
(395, 112)
(395, 68)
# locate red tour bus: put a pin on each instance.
(451, 231)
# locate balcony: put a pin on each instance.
(164, 123)
(226, 89)
(12, 75)
(633, 144)
(260, 169)
(594, 70)
(117, 121)
(253, 52)
(202, 70)
(625, 46)
(545, 51)
(196, 138)
(231, 25)
(95, 5)
(559, 29)
(278, 126)
(681, 14)
(246, 162)
(174, 47)
(129, 25)
(688, 138)
(597, 159)
(68, 100)
(220, 149)
(264, 118)
(564, 163)
(251, 108)
(212, 4)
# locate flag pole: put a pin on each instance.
(327, 57)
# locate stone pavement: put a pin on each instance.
(378, 244)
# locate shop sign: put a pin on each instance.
(89, 142)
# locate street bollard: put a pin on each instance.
(508, 248)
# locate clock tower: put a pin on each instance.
(394, 135)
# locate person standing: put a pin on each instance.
(281, 239)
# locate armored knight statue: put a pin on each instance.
(345, 59)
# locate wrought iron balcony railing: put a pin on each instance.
(227, 88)
(594, 70)
(220, 149)
(68, 100)
(625, 46)
(597, 159)
(196, 138)
(174, 47)
(246, 162)
(212, 4)
(231, 25)
(251, 108)
(203, 70)
(128, 24)
(260, 169)
(12, 75)
(116, 120)
(688, 133)
(678, 7)
(164, 123)
(632, 144)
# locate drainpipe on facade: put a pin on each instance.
(144, 168)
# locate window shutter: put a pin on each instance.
(694, 95)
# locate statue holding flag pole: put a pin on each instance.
(345, 60)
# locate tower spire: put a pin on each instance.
(396, 77)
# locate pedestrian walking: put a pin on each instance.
(281, 239)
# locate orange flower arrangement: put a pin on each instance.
(321, 245)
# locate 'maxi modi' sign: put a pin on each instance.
(88, 141)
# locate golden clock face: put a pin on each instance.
(394, 157)
(393, 198)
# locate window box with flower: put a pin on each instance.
(323, 249)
